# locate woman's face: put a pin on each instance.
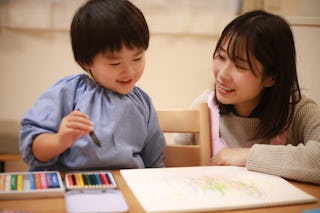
(235, 82)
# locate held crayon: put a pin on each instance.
(14, 182)
(20, 182)
(32, 181)
(94, 137)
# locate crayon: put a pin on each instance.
(109, 179)
(49, 180)
(70, 181)
(43, 179)
(97, 179)
(8, 183)
(87, 179)
(37, 180)
(85, 182)
(55, 180)
(74, 179)
(92, 179)
(14, 182)
(26, 183)
(79, 176)
(2, 182)
(32, 181)
(20, 182)
(104, 179)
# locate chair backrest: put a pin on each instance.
(195, 121)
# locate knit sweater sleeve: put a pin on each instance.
(300, 158)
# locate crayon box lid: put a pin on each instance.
(22, 185)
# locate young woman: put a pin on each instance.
(109, 39)
(259, 117)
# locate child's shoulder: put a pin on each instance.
(72, 82)
(72, 79)
(140, 92)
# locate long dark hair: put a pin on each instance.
(268, 39)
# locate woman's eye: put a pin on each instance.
(114, 64)
(241, 67)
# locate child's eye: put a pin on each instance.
(137, 59)
(114, 64)
(219, 57)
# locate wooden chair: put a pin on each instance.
(196, 121)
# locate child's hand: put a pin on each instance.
(231, 157)
(74, 126)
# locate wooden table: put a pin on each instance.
(57, 205)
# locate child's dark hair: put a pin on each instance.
(268, 39)
(107, 25)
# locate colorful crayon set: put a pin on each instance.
(90, 180)
(30, 185)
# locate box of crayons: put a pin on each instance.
(93, 191)
(30, 185)
(90, 180)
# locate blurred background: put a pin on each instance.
(35, 48)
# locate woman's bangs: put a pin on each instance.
(237, 46)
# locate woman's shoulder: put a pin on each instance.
(306, 102)
(202, 98)
(306, 110)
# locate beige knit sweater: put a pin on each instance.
(298, 160)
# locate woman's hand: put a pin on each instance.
(231, 157)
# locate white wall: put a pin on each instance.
(179, 60)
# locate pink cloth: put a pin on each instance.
(218, 143)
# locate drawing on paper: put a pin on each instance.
(209, 188)
(214, 186)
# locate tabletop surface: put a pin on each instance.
(57, 205)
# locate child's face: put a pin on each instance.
(118, 71)
(236, 84)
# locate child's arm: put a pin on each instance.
(73, 126)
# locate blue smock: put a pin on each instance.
(126, 125)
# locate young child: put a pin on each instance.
(259, 118)
(79, 113)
